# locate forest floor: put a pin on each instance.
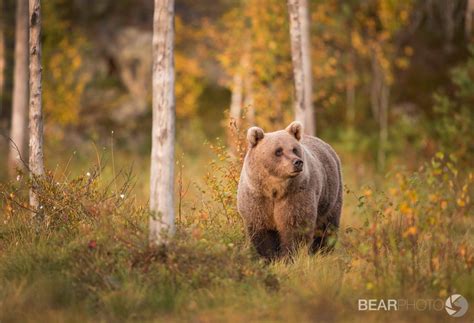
(409, 238)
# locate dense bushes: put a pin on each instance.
(88, 257)
(453, 114)
(416, 235)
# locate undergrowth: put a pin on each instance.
(85, 255)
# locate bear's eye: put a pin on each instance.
(279, 152)
(295, 151)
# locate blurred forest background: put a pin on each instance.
(410, 58)
(393, 92)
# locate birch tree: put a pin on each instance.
(18, 129)
(468, 18)
(36, 110)
(2, 51)
(236, 98)
(380, 98)
(249, 99)
(248, 85)
(301, 58)
(162, 218)
(242, 88)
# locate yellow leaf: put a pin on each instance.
(392, 191)
(412, 196)
(411, 231)
(405, 208)
(368, 193)
(444, 205)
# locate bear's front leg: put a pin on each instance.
(266, 242)
(295, 224)
(256, 211)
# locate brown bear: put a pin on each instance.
(290, 191)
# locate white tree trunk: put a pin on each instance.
(18, 129)
(236, 99)
(162, 218)
(36, 110)
(235, 113)
(249, 99)
(308, 74)
(301, 58)
(248, 86)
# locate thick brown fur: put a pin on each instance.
(286, 203)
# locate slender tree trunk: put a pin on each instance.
(2, 51)
(375, 87)
(236, 99)
(162, 220)
(239, 81)
(7, 7)
(301, 58)
(383, 125)
(350, 92)
(468, 18)
(448, 13)
(380, 98)
(350, 103)
(36, 110)
(18, 130)
(249, 98)
(307, 67)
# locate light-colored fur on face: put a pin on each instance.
(290, 189)
(275, 152)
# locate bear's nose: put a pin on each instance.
(298, 163)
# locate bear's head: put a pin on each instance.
(276, 154)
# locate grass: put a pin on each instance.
(88, 259)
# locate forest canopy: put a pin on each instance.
(367, 56)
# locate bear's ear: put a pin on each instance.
(296, 129)
(254, 135)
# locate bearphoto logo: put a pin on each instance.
(456, 305)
